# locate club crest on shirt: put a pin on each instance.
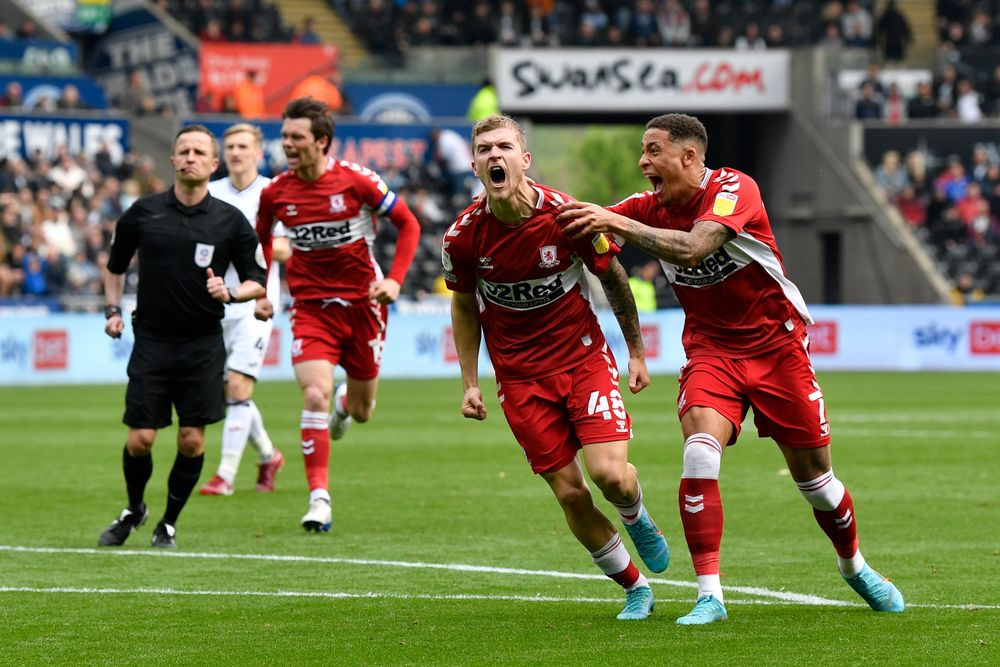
(549, 256)
(337, 203)
(203, 253)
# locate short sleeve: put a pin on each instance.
(456, 265)
(125, 241)
(734, 204)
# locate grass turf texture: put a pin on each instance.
(419, 485)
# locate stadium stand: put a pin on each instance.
(52, 221)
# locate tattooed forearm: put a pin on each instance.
(622, 303)
(677, 247)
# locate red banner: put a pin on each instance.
(278, 68)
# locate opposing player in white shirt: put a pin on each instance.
(245, 336)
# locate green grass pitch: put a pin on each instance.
(446, 550)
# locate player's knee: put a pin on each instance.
(315, 398)
(612, 480)
(702, 457)
(140, 441)
(574, 499)
(361, 413)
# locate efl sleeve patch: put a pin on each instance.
(725, 203)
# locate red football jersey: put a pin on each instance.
(737, 302)
(331, 226)
(535, 314)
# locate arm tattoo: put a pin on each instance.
(622, 303)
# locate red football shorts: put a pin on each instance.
(349, 334)
(780, 385)
(554, 416)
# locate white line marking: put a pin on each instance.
(374, 595)
(775, 597)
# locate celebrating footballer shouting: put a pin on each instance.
(328, 209)
(746, 343)
(518, 281)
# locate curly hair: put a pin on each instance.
(681, 128)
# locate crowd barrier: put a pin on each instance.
(73, 349)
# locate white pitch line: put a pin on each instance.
(374, 595)
(454, 567)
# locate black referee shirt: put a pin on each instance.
(177, 245)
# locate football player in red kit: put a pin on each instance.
(328, 208)
(745, 340)
(518, 281)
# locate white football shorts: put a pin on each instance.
(246, 341)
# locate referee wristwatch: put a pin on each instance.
(233, 296)
(110, 311)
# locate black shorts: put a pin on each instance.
(184, 373)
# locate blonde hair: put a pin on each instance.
(495, 122)
(245, 127)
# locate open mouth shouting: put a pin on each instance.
(498, 175)
(656, 182)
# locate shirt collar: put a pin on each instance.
(200, 207)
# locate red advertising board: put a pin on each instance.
(984, 337)
(823, 337)
(650, 340)
(51, 350)
(278, 66)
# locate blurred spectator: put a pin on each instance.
(13, 96)
(981, 163)
(510, 24)
(28, 30)
(869, 104)
(912, 207)
(968, 103)
(484, 103)
(890, 175)
(643, 284)
(67, 174)
(480, 30)
(213, 32)
(946, 89)
(645, 28)
(454, 156)
(895, 105)
(306, 33)
(703, 24)
(325, 88)
(249, 95)
(981, 28)
(916, 170)
(965, 290)
(952, 181)
(674, 24)
(6, 34)
(893, 34)
(856, 25)
(136, 93)
(70, 98)
(751, 40)
(34, 267)
(831, 40)
(922, 104)
(775, 36)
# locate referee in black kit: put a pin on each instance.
(186, 239)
